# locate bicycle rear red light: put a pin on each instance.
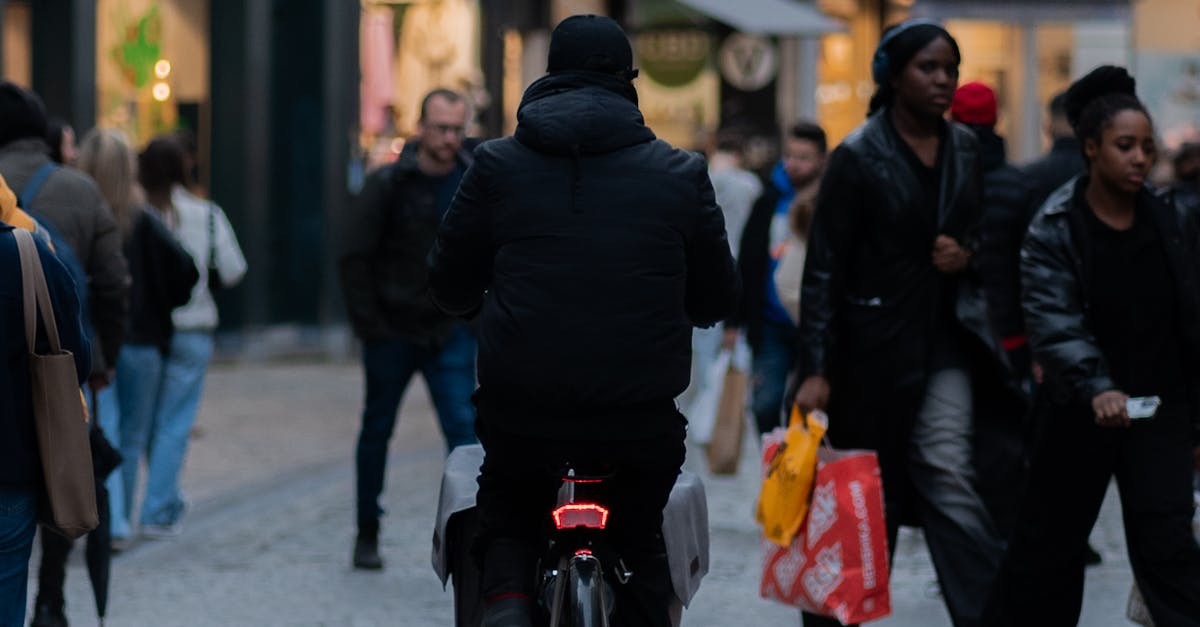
(573, 515)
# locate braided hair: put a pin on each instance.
(1093, 101)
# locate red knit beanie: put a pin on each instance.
(974, 103)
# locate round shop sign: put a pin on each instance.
(672, 58)
(748, 62)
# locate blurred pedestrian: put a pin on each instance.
(590, 250)
(160, 384)
(186, 139)
(1186, 165)
(69, 203)
(1108, 274)
(1005, 204)
(20, 470)
(389, 231)
(737, 189)
(790, 272)
(768, 327)
(61, 138)
(162, 275)
(1062, 163)
(894, 339)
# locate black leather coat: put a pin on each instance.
(1055, 294)
(871, 298)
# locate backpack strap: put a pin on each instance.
(35, 184)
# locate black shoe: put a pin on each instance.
(1091, 557)
(366, 553)
(512, 612)
(47, 615)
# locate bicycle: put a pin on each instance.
(578, 570)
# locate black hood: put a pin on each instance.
(991, 148)
(580, 113)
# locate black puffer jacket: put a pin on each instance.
(1048, 172)
(1056, 300)
(593, 249)
(1005, 217)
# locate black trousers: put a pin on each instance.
(1041, 581)
(518, 486)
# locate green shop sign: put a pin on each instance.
(673, 57)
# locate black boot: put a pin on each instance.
(510, 612)
(49, 615)
(366, 551)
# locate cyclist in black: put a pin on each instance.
(589, 249)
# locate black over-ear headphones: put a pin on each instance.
(880, 62)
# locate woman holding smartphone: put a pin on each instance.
(1109, 273)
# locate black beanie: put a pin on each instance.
(22, 114)
(590, 42)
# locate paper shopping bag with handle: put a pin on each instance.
(837, 565)
(789, 464)
(725, 450)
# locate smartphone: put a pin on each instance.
(1141, 407)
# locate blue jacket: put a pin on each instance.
(19, 460)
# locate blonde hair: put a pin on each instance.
(106, 155)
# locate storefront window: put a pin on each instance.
(408, 49)
(16, 37)
(152, 72)
(679, 85)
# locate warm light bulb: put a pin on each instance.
(162, 92)
(162, 69)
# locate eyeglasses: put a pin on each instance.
(445, 129)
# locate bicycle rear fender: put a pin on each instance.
(685, 521)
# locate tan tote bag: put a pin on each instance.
(62, 430)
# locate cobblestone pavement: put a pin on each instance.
(268, 537)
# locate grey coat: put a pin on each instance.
(73, 205)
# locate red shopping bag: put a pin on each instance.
(838, 564)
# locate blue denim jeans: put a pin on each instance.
(449, 373)
(139, 379)
(178, 404)
(774, 358)
(158, 399)
(18, 522)
(108, 413)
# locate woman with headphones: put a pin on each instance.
(894, 340)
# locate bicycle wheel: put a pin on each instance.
(588, 599)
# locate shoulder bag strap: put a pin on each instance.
(212, 236)
(35, 183)
(36, 293)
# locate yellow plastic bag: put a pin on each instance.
(789, 466)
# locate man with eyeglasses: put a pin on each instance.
(388, 231)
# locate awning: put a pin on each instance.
(1025, 10)
(767, 17)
